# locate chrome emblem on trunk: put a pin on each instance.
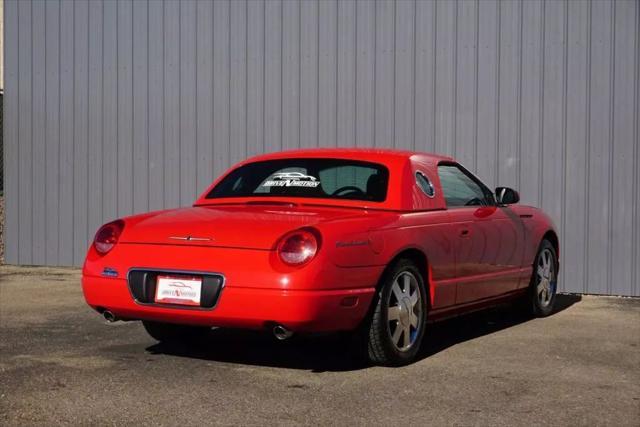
(190, 238)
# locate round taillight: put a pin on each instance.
(298, 247)
(107, 236)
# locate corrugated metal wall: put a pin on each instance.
(114, 108)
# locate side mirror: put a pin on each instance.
(506, 196)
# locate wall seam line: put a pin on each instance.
(496, 169)
(435, 74)
(635, 249)
(588, 151)
(540, 201)
(46, 126)
(564, 134)
(31, 213)
(519, 97)
(611, 146)
(413, 84)
(454, 109)
(148, 177)
(476, 82)
(87, 234)
(375, 63)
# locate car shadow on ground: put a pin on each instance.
(339, 352)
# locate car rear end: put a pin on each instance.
(210, 283)
(264, 245)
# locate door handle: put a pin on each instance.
(464, 232)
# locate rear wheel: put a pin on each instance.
(544, 281)
(172, 333)
(396, 328)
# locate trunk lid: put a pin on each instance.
(235, 226)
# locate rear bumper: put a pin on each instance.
(241, 307)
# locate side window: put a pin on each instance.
(425, 185)
(460, 189)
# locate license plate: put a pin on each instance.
(178, 290)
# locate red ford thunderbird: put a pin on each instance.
(378, 242)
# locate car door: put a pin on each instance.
(488, 240)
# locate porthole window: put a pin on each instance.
(425, 185)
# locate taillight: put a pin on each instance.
(298, 247)
(107, 236)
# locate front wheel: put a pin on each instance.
(396, 328)
(544, 281)
(171, 333)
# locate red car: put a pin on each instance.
(373, 241)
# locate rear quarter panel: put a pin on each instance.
(378, 240)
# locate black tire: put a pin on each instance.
(379, 332)
(172, 333)
(540, 302)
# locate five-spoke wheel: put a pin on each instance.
(404, 311)
(396, 327)
(542, 291)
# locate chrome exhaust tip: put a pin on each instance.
(109, 316)
(281, 333)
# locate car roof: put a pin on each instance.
(397, 161)
(371, 154)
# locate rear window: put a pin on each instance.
(313, 178)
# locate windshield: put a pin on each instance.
(313, 178)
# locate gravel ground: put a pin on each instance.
(61, 363)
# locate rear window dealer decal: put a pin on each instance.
(291, 179)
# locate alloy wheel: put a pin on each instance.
(404, 311)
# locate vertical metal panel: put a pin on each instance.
(52, 129)
(272, 75)
(38, 176)
(425, 76)
(120, 107)
(221, 81)
(125, 107)
(188, 90)
(327, 70)
(404, 71)
(238, 83)
(156, 106)
(384, 74)
(255, 76)
(445, 76)
(365, 73)
(25, 104)
(95, 124)
(140, 106)
(466, 84)
(65, 235)
(346, 74)
(574, 230)
(290, 75)
(553, 107)
(80, 129)
(509, 92)
(109, 111)
(11, 136)
(308, 74)
(204, 94)
(531, 96)
(488, 62)
(635, 260)
(598, 165)
(171, 123)
(625, 55)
